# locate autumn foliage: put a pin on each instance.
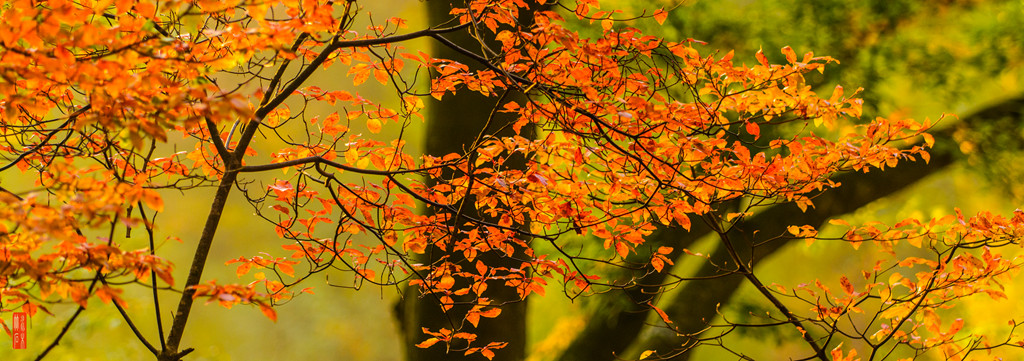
(111, 107)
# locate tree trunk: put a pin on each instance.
(452, 125)
(617, 333)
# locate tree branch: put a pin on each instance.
(695, 304)
(71, 119)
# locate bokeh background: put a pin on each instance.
(917, 59)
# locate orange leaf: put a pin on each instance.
(754, 129)
(790, 55)
(286, 269)
(447, 303)
(838, 222)
(929, 140)
(682, 219)
(381, 75)
(761, 58)
(446, 282)
(660, 15)
(837, 353)
(657, 263)
(429, 342)
(662, 314)
(243, 269)
(491, 313)
(847, 286)
(373, 125)
(622, 249)
(269, 312)
(957, 325)
(473, 318)
(152, 199)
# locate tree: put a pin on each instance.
(635, 134)
(446, 135)
(943, 50)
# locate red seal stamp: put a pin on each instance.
(20, 330)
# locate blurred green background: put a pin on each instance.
(915, 58)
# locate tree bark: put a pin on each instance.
(618, 333)
(453, 124)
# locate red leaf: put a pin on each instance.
(754, 130)
(281, 209)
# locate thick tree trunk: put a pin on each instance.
(695, 306)
(623, 314)
(452, 125)
(617, 334)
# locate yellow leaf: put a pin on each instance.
(885, 294)
(928, 139)
(429, 342)
(895, 279)
(373, 125)
(914, 241)
(838, 222)
(646, 354)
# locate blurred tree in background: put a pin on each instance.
(914, 57)
(87, 116)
